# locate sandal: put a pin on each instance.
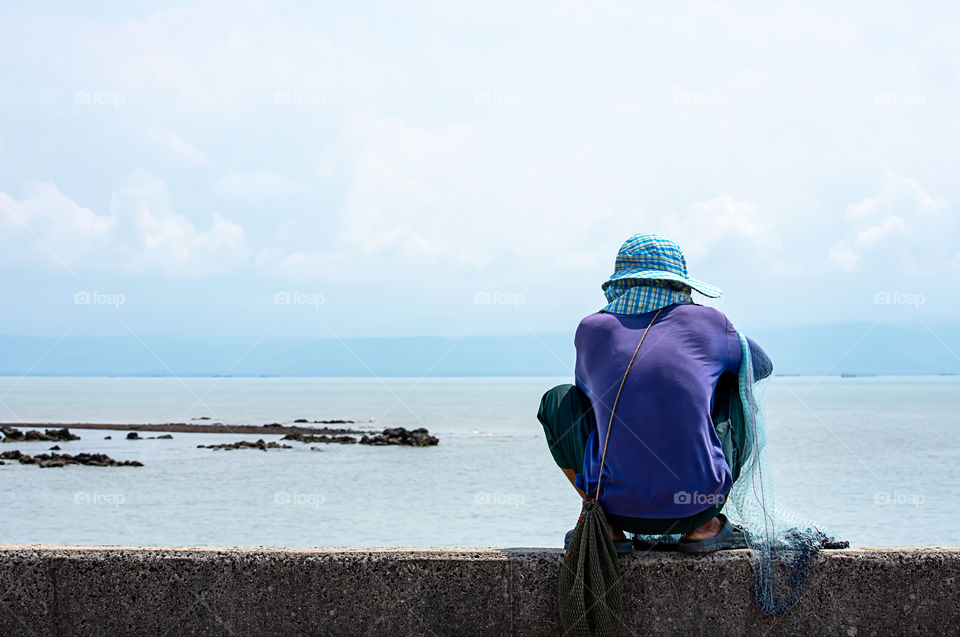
(731, 536)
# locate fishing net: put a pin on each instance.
(590, 586)
(782, 544)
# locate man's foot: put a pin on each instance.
(708, 538)
(616, 534)
(705, 532)
(620, 541)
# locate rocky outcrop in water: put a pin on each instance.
(12, 434)
(45, 460)
(400, 436)
(209, 428)
(246, 444)
(343, 440)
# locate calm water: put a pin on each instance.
(875, 460)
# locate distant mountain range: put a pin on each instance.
(914, 347)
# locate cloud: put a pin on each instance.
(141, 233)
(444, 194)
(405, 151)
(308, 265)
(408, 187)
(49, 225)
(902, 228)
(175, 145)
(244, 185)
(738, 225)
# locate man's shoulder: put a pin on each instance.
(694, 312)
(596, 323)
(597, 318)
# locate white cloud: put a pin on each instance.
(407, 187)
(399, 168)
(243, 185)
(737, 225)
(141, 233)
(902, 228)
(49, 225)
(174, 144)
(426, 195)
(308, 265)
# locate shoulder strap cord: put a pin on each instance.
(613, 409)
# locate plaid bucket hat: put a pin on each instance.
(644, 258)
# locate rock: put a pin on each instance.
(245, 444)
(11, 434)
(400, 436)
(108, 437)
(334, 422)
(54, 448)
(61, 434)
(301, 420)
(32, 435)
(44, 460)
(165, 437)
(343, 440)
(133, 435)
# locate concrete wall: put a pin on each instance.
(61, 590)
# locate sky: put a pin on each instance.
(335, 170)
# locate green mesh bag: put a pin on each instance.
(591, 588)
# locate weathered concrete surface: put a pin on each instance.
(64, 590)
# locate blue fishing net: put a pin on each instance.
(783, 545)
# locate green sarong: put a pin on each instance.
(567, 419)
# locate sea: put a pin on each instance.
(874, 460)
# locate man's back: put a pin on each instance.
(664, 459)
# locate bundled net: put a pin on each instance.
(782, 544)
(590, 587)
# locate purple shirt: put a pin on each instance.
(664, 459)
